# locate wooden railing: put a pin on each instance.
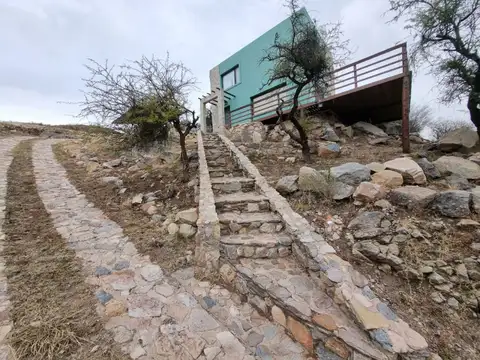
(381, 67)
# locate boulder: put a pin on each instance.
(328, 150)
(464, 140)
(137, 199)
(376, 167)
(149, 208)
(311, 180)
(348, 131)
(412, 197)
(412, 173)
(453, 203)
(393, 128)
(388, 178)
(475, 158)
(342, 191)
(378, 141)
(457, 165)
(367, 224)
(329, 134)
(287, 185)
(368, 192)
(350, 173)
(112, 163)
(187, 231)
(428, 169)
(476, 199)
(369, 129)
(112, 180)
(189, 216)
(458, 182)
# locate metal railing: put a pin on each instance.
(378, 68)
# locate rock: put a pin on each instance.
(342, 191)
(151, 272)
(476, 199)
(115, 308)
(103, 297)
(348, 131)
(454, 203)
(367, 224)
(383, 204)
(428, 169)
(458, 182)
(456, 165)
(426, 269)
(287, 184)
(311, 180)
(475, 158)
(437, 297)
(300, 332)
(290, 160)
(388, 178)
(172, 229)
(189, 216)
(461, 271)
(149, 208)
(330, 134)
(376, 167)
(412, 197)
(187, 231)
(412, 172)
(453, 303)
(416, 139)
(113, 163)
(137, 199)
(330, 150)
(436, 279)
(368, 192)
(112, 180)
(393, 128)
(369, 129)
(468, 223)
(475, 247)
(351, 173)
(378, 141)
(464, 140)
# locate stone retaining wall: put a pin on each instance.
(345, 285)
(207, 249)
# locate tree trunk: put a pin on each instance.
(474, 103)
(184, 156)
(303, 140)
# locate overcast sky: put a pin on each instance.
(45, 42)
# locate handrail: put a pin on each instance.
(391, 62)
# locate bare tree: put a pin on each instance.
(305, 58)
(446, 39)
(150, 93)
(442, 127)
(420, 117)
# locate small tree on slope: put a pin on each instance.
(305, 58)
(447, 37)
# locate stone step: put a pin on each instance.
(235, 222)
(284, 291)
(262, 245)
(219, 171)
(242, 201)
(232, 184)
(257, 334)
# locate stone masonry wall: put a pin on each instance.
(207, 249)
(345, 285)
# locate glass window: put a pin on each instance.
(231, 78)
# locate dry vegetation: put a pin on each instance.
(162, 172)
(53, 309)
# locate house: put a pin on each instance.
(374, 89)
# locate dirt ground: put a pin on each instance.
(51, 305)
(167, 177)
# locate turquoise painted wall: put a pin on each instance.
(253, 74)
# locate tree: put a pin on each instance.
(305, 58)
(420, 117)
(149, 94)
(446, 39)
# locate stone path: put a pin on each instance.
(152, 315)
(6, 157)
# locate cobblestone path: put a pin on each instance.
(152, 315)
(6, 157)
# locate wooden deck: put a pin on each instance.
(374, 89)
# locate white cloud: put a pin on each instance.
(45, 42)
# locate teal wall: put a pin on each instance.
(253, 75)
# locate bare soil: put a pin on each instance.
(148, 236)
(52, 308)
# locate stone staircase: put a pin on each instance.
(292, 275)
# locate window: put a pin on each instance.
(231, 78)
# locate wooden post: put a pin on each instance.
(405, 102)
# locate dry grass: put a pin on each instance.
(147, 236)
(52, 307)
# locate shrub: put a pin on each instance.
(442, 127)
